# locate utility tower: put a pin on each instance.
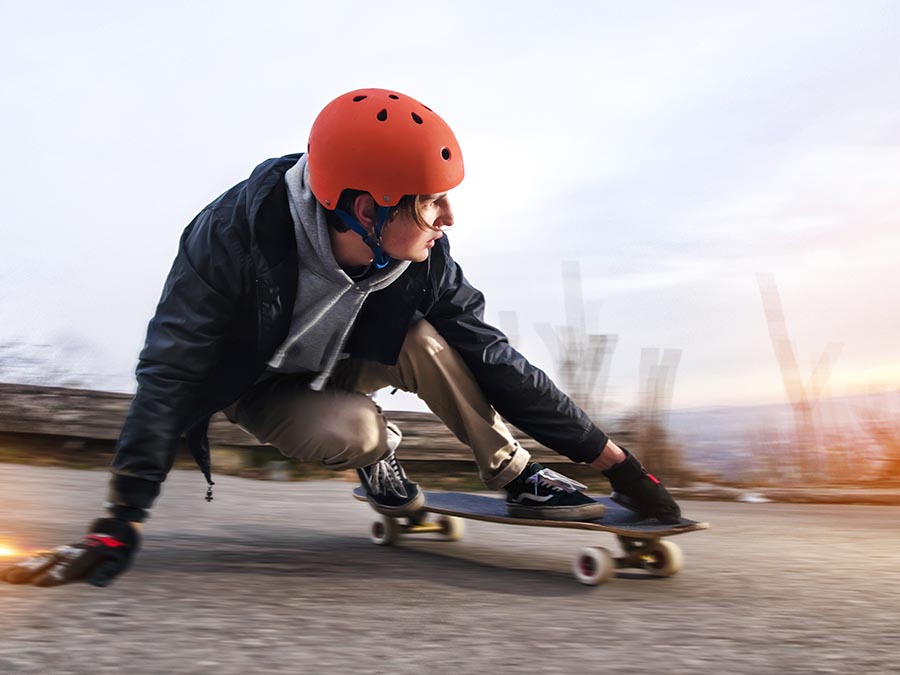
(657, 384)
(805, 456)
(582, 358)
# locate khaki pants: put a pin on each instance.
(342, 428)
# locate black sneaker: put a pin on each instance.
(637, 489)
(388, 490)
(544, 494)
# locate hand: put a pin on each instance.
(103, 553)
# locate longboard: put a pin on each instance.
(639, 537)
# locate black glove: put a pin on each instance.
(103, 553)
(637, 489)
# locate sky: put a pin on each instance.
(674, 150)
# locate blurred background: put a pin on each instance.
(686, 213)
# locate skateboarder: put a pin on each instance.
(323, 277)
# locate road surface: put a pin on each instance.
(282, 578)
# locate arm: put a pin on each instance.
(519, 391)
(184, 342)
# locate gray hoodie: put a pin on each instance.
(328, 300)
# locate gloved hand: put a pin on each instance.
(103, 553)
(637, 489)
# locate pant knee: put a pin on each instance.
(419, 355)
(350, 439)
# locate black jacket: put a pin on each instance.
(226, 307)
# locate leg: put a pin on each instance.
(429, 367)
(339, 429)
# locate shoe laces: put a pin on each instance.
(551, 479)
(388, 477)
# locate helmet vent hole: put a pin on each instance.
(393, 96)
(445, 153)
(382, 115)
(416, 118)
(357, 99)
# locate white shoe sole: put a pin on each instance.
(411, 507)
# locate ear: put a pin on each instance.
(364, 211)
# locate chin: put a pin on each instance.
(419, 256)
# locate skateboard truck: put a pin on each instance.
(388, 530)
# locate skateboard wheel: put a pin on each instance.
(385, 531)
(451, 527)
(662, 558)
(594, 565)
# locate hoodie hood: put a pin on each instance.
(328, 300)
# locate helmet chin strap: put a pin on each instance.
(373, 240)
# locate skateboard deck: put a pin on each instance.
(640, 537)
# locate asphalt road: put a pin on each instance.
(282, 578)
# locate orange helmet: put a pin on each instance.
(383, 143)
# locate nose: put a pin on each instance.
(445, 216)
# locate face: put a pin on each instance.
(403, 239)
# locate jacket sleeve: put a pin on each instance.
(520, 392)
(184, 341)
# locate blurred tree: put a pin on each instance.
(880, 422)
